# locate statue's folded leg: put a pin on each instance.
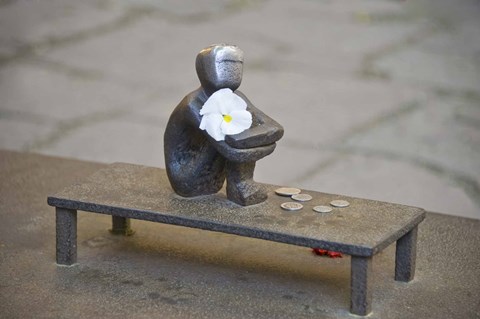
(194, 167)
(241, 188)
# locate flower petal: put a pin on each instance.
(203, 123)
(242, 117)
(212, 124)
(241, 120)
(232, 102)
(223, 101)
(212, 105)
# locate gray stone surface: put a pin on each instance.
(372, 94)
(364, 228)
(178, 272)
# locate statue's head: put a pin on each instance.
(220, 66)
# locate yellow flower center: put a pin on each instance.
(227, 118)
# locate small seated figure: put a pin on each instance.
(197, 163)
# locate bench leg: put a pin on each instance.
(66, 228)
(360, 285)
(121, 226)
(405, 256)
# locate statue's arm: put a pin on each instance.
(240, 155)
(264, 130)
(230, 153)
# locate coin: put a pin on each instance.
(322, 209)
(302, 197)
(339, 203)
(291, 206)
(287, 191)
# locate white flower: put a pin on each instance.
(225, 113)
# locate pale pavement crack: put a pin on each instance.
(368, 68)
(366, 126)
(131, 16)
(469, 184)
(67, 127)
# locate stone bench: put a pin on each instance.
(361, 230)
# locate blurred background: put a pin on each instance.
(379, 98)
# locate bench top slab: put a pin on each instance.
(140, 192)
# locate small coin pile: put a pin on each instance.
(289, 192)
(297, 196)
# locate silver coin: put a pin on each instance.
(291, 206)
(302, 197)
(339, 203)
(322, 209)
(287, 191)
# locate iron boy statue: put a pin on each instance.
(197, 161)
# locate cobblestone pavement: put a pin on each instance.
(379, 98)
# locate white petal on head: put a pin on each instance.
(212, 124)
(223, 101)
(232, 102)
(212, 105)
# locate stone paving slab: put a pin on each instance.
(59, 97)
(444, 142)
(415, 66)
(187, 273)
(400, 181)
(13, 133)
(392, 81)
(25, 25)
(119, 139)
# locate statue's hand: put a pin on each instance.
(264, 134)
(244, 155)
